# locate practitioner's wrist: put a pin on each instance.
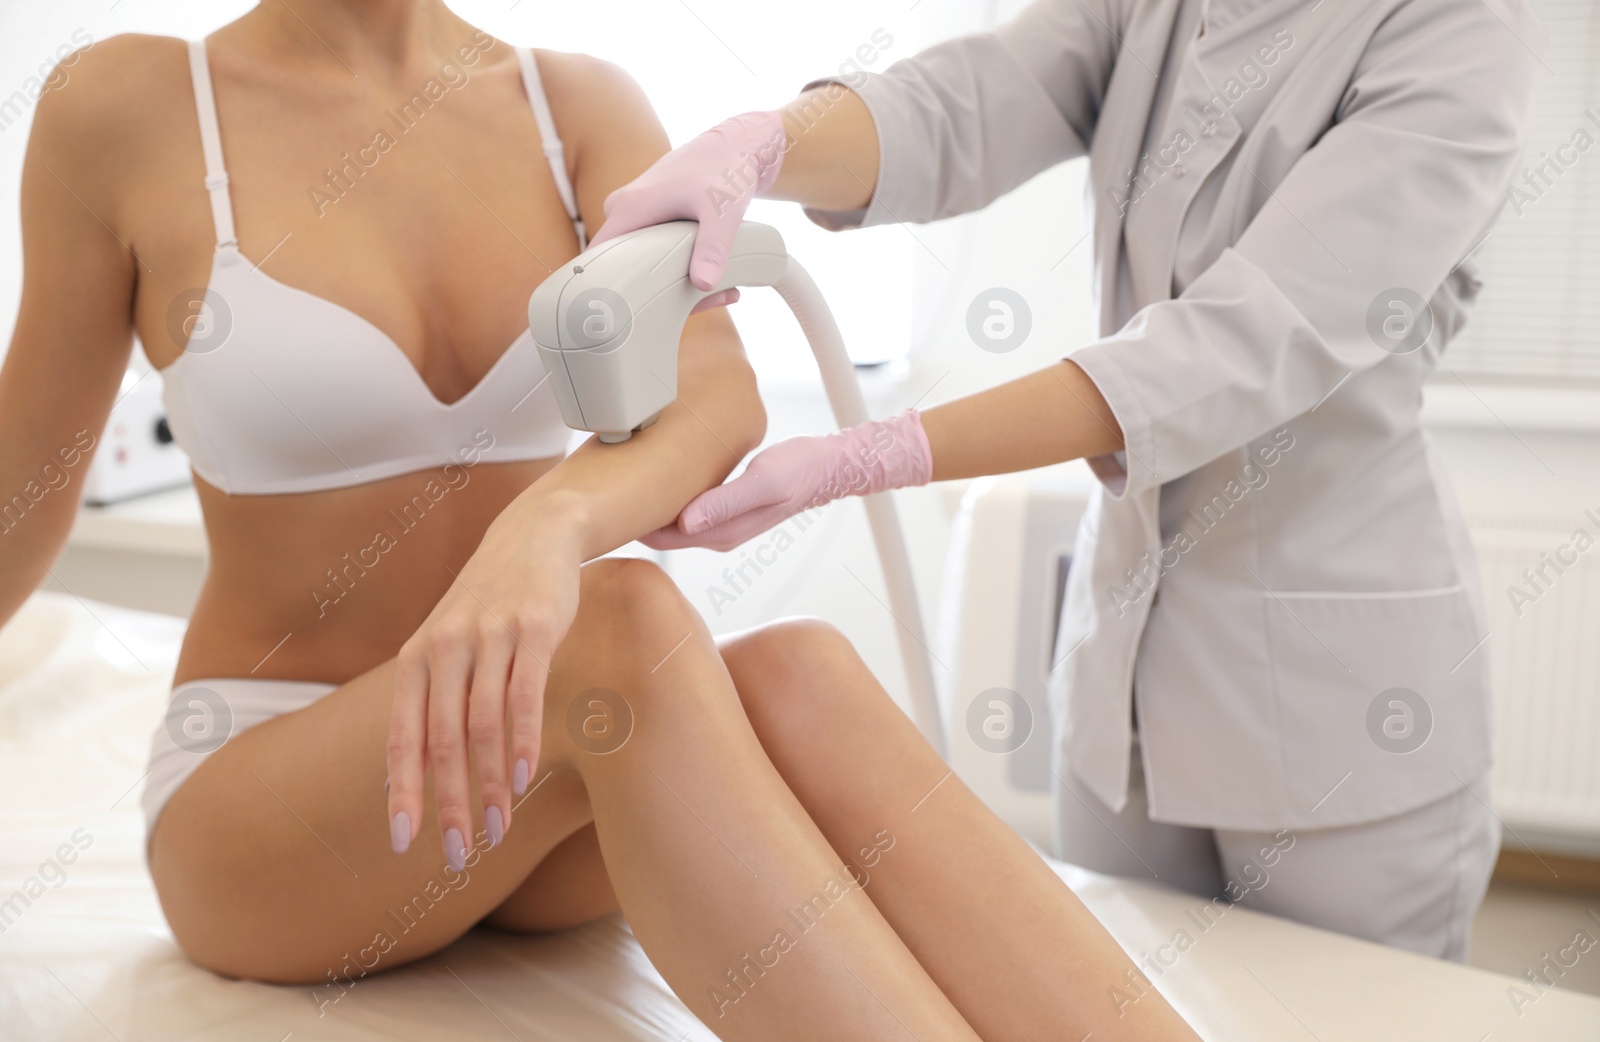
(762, 140)
(878, 456)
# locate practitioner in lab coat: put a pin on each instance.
(1274, 687)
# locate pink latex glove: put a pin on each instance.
(713, 180)
(803, 474)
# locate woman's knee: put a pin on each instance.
(631, 599)
(791, 645)
(637, 651)
(794, 667)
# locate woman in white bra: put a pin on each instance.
(405, 706)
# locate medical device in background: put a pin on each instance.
(136, 454)
(607, 326)
(1005, 577)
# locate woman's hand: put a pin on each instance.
(712, 179)
(803, 474)
(479, 661)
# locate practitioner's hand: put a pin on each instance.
(800, 474)
(712, 179)
(479, 661)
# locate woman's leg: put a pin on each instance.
(1006, 940)
(570, 887)
(273, 861)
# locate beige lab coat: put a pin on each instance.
(1275, 570)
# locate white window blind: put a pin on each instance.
(1539, 313)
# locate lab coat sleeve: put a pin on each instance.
(965, 121)
(1395, 194)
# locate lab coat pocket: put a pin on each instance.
(1382, 700)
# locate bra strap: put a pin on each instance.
(211, 142)
(554, 154)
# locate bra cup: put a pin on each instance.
(288, 392)
(279, 390)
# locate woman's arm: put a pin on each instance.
(1266, 333)
(631, 488)
(955, 126)
(74, 329)
(830, 160)
(945, 131)
(1047, 417)
(478, 664)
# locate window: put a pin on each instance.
(1539, 313)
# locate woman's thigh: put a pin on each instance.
(569, 887)
(273, 860)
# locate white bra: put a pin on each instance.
(279, 390)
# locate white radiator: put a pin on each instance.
(1007, 564)
(1543, 589)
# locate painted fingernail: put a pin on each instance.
(495, 825)
(519, 777)
(455, 849)
(400, 832)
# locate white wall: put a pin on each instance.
(699, 62)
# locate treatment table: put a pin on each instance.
(89, 958)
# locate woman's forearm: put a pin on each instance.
(1056, 414)
(617, 493)
(831, 158)
(1051, 416)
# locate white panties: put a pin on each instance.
(204, 714)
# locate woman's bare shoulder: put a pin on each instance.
(591, 93)
(110, 100)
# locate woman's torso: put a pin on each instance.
(438, 245)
